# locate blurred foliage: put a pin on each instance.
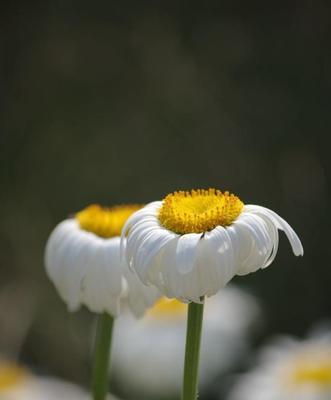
(116, 102)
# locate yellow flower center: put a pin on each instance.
(317, 372)
(199, 210)
(10, 375)
(105, 222)
(168, 308)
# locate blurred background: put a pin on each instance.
(119, 102)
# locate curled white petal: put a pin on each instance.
(280, 223)
(257, 240)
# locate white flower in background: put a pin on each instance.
(83, 261)
(289, 369)
(148, 354)
(17, 383)
(192, 243)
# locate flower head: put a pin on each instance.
(191, 244)
(157, 341)
(289, 369)
(83, 261)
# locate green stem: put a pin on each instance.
(100, 374)
(192, 352)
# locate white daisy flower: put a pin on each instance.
(148, 353)
(191, 244)
(289, 369)
(83, 261)
(17, 383)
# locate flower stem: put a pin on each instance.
(100, 374)
(192, 352)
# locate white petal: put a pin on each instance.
(241, 243)
(112, 265)
(56, 240)
(149, 210)
(146, 214)
(185, 287)
(165, 276)
(139, 296)
(280, 224)
(273, 232)
(216, 260)
(74, 266)
(62, 250)
(147, 249)
(102, 283)
(258, 231)
(186, 252)
(154, 270)
(85, 269)
(154, 205)
(253, 236)
(90, 294)
(138, 235)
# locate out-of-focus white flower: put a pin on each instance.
(191, 244)
(17, 383)
(83, 261)
(289, 369)
(148, 354)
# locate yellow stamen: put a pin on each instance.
(10, 375)
(199, 211)
(105, 222)
(168, 308)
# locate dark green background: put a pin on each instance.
(125, 101)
